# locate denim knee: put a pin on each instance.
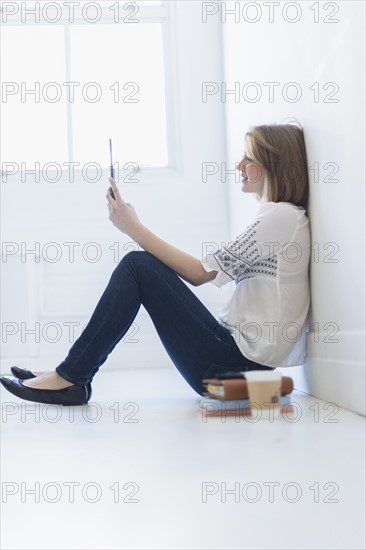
(141, 256)
(132, 258)
(135, 255)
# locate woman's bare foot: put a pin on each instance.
(48, 381)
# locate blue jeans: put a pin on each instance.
(196, 342)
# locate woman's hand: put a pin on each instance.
(122, 214)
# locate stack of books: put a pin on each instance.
(227, 395)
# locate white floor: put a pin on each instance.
(143, 436)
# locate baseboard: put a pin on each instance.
(340, 382)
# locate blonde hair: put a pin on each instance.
(280, 150)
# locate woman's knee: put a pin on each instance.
(137, 262)
(137, 256)
(128, 260)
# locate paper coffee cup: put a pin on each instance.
(264, 389)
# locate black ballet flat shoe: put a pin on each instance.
(73, 395)
(24, 374)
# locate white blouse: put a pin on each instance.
(267, 314)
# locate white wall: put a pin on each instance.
(306, 52)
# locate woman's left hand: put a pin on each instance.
(122, 214)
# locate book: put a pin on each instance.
(234, 407)
(236, 388)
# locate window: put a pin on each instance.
(72, 79)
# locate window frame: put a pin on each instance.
(163, 14)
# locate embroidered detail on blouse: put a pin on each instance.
(268, 267)
(239, 259)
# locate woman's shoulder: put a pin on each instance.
(280, 205)
(281, 209)
(282, 218)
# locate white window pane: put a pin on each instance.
(34, 128)
(42, 7)
(111, 3)
(123, 54)
(121, 2)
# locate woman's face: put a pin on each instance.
(252, 174)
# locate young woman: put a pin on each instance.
(263, 326)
